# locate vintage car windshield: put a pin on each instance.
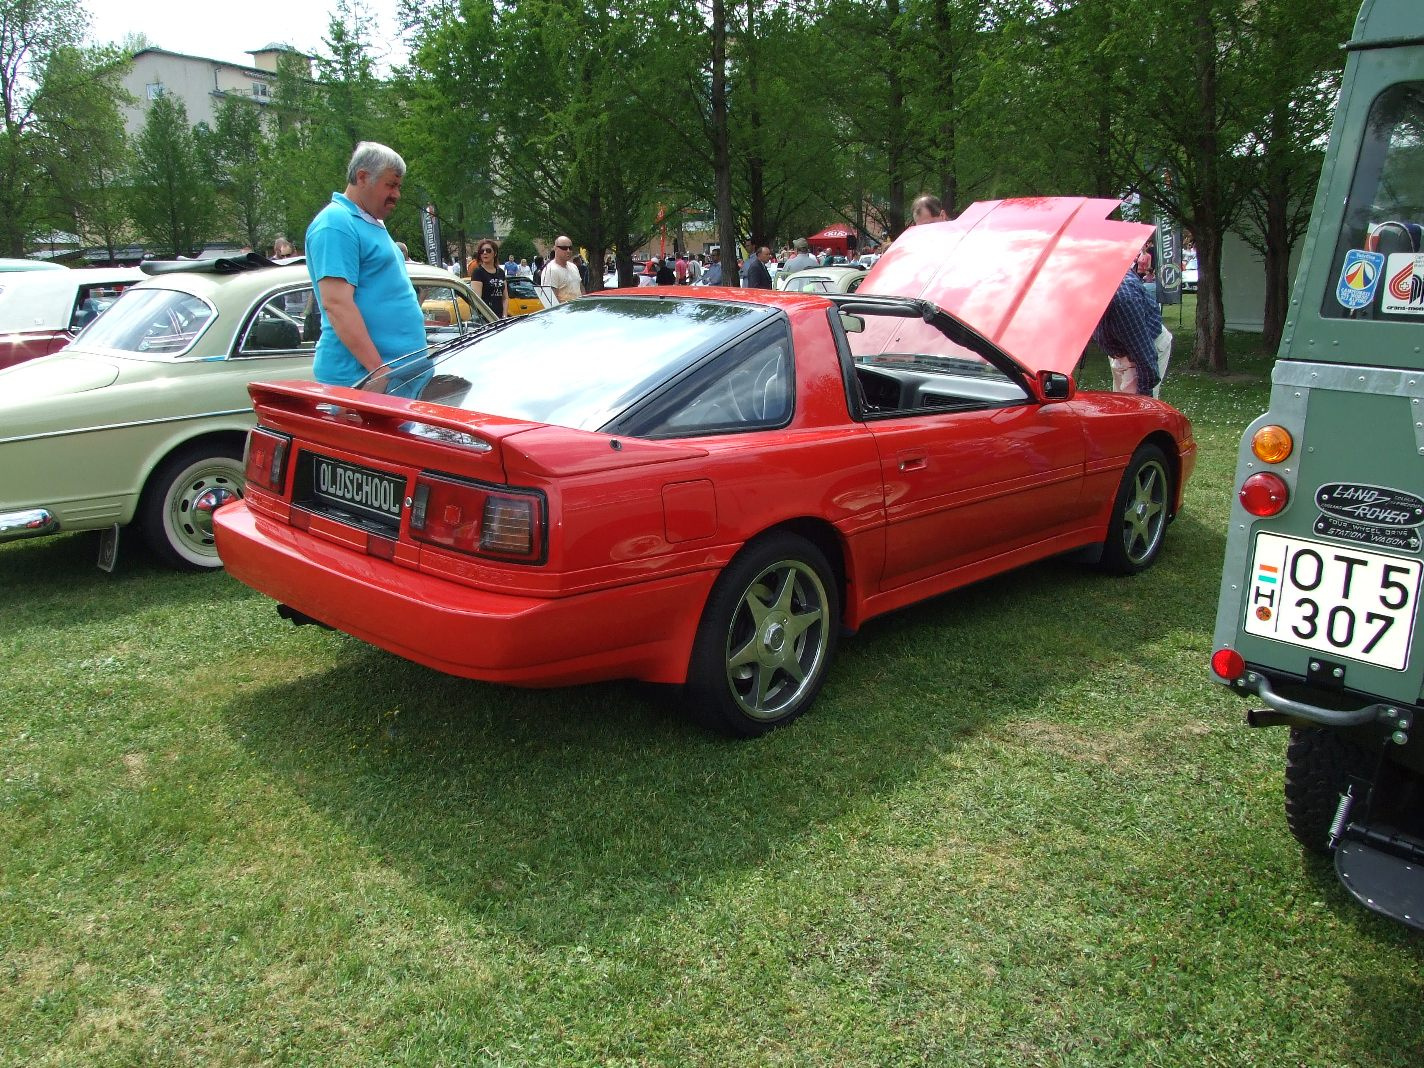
(582, 364)
(150, 322)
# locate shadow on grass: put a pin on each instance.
(54, 582)
(565, 815)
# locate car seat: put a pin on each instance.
(272, 335)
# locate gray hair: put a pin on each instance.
(375, 159)
(799, 244)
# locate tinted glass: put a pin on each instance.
(582, 364)
(1376, 271)
(151, 322)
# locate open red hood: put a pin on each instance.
(1033, 275)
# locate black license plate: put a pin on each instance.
(339, 486)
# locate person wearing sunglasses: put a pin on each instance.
(487, 278)
(561, 274)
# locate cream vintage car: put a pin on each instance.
(141, 421)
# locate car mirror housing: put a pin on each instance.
(1054, 386)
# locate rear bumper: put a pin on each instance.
(642, 631)
(27, 523)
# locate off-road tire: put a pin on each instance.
(1319, 765)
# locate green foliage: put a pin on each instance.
(57, 105)
(171, 197)
(240, 147)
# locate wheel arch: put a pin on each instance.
(825, 537)
(1168, 445)
(230, 437)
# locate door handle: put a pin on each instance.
(915, 462)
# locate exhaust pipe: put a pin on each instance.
(300, 619)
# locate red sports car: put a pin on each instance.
(706, 486)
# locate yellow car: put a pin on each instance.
(521, 297)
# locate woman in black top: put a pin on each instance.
(487, 279)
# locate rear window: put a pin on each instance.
(1377, 271)
(151, 322)
(583, 364)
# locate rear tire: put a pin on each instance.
(179, 500)
(766, 638)
(1139, 514)
(1319, 765)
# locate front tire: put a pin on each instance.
(1319, 765)
(179, 501)
(1139, 514)
(766, 638)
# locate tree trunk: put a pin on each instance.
(721, 153)
(1210, 351)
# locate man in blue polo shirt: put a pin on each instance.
(370, 317)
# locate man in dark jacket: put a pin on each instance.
(754, 272)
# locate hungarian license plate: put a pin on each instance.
(357, 489)
(1333, 598)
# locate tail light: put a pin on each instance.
(478, 519)
(1273, 444)
(265, 464)
(1228, 664)
(1264, 494)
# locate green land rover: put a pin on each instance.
(1318, 618)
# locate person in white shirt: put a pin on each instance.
(561, 275)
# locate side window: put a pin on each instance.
(447, 313)
(747, 387)
(279, 326)
(90, 301)
(1378, 270)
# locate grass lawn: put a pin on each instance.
(1021, 827)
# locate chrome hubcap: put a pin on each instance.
(192, 512)
(778, 639)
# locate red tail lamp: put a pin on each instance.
(266, 462)
(1228, 664)
(1264, 494)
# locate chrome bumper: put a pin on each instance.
(31, 523)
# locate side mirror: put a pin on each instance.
(1055, 386)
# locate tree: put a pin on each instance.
(57, 100)
(172, 197)
(1299, 64)
(239, 148)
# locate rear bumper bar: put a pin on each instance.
(1282, 710)
(29, 523)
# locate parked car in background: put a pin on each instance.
(1189, 270)
(705, 486)
(142, 420)
(839, 279)
(521, 297)
(43, 311)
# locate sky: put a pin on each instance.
(227, 29)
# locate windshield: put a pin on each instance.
(150, 322)
(580, 365)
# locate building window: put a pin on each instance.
(259, 89)
(155, 90)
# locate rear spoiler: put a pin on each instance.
(322, 414)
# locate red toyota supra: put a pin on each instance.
(708, 487)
